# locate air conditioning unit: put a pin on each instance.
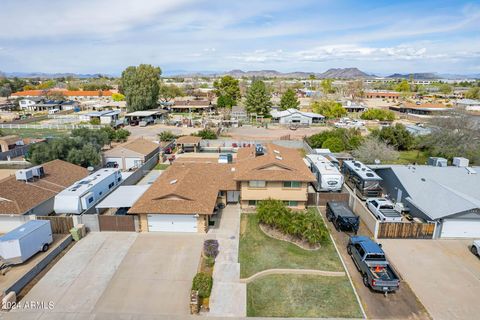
(24, 174)
(460, 162)
(38, 171)
(437, 162)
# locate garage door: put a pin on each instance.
(461, 229)
(172, 223)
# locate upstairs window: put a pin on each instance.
(292, 184)
(257, 184)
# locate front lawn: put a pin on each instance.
(161, 166)
(36, 133)
(412, 156)
(260, 252)
(302, 296)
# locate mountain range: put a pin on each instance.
(333, 73)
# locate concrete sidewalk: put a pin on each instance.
(229, 296)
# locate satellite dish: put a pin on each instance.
(90, 169)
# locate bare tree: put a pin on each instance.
(355, 89)
(374, 149)
(454, 135)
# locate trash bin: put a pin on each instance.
(76, 234)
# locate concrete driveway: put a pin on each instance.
(120, 274)
(443, 273)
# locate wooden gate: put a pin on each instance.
(59, 224)
(116, 223)
(407, 230)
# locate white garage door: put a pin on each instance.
(461, 229)
(172, 223)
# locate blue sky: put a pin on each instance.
(105, 36)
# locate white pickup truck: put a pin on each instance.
(383, 210)
(475, 248)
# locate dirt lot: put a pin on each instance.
(273, 132)
(443, 273)
(400, 305)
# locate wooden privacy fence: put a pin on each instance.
(59, 224)
(116, 223)
(406, 230)
(321, 198)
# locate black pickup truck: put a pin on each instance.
(342, 217)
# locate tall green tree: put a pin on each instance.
(258, 98)
(169, 91)
(227, 91)
(403, 86)
(328, 108)
(327, 86)
(289, 100)
(140, 86)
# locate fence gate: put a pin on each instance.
(116, 223)
(59, 224)
(406, 230)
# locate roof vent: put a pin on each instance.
(173, 181)
(232, 169)
(278, 158)
(276, 151)
(470, 170)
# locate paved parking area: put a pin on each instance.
(443, 274)
(119, 274)
(402, 304)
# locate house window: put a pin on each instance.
(110, 186)
(257, 184)
(90, 200)
(252, 202)
(291, 203)
(292, 184)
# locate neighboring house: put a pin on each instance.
(39, 104)
(29, 103)
(276, 172)
(74, 95)
(191, 106)
(418, 130)
(382, 95)
(448, 196)
(18, 197)
(132, 154)
(8, 143)
(294, 116)
(109, 117)
(352, 106)
(149, 116)
(239, 113)
(188, 143)
(422, 109)
(468, 104)
(184, 197)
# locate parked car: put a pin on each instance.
(383, 210)
(342, 217)
(475, 248)
(370, 260)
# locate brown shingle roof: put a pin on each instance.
(186, 189)
(277, 164)
(139, 145)
(18, 197)
(12, 139)
(188, 140)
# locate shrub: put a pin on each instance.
(304, 225)
(329, 109)
(209, 262)
(206, 134)
(378, 114)
(203, 283)
(166, 136)
(339, 139)
(210, 248)
(396, 136)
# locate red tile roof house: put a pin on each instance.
(35, 197)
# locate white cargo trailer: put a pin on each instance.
(21, 243)
(328, 177)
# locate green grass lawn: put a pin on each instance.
(412, 156)
(260, 252)
(36, 133)
(302, 296)
(161, 166)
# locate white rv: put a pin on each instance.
(84, 194)
(327, 175)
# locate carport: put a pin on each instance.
(120, 200)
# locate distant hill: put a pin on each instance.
(434, 76)
(43, 75)
(339, 73)
(344, 73)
